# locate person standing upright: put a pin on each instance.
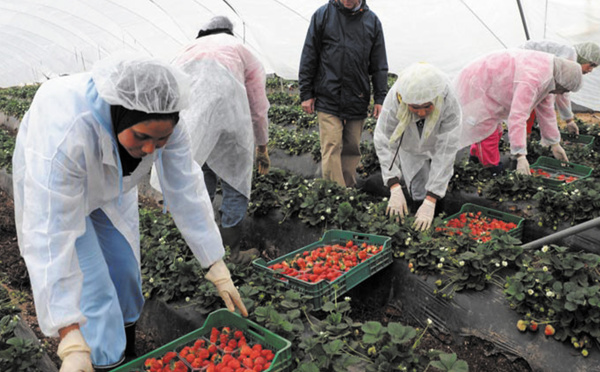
(343, 53)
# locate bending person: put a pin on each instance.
(416, 138)
(227, 122)
(586, 54)
(82, 147)
(507, 86)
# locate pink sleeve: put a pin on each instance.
(524, 97)
(563, 104)
(547, 121)
(255, 77)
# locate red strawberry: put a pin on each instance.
(533, 326)
(549, 330)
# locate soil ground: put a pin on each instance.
(480, 355)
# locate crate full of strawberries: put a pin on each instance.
(478, 222)
(555, 173)
(226, 342)
(330, 267)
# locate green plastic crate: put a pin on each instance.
(583, 140)
(555, 167)
(324, 290)
(516, 232)
(254, 334)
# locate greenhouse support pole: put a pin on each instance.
(562, 234)
(523, 19)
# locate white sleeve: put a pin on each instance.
(386, 124)
(187, 199)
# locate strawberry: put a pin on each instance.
(533, 326)
(584, 352)
(521, 325)
(549, 330)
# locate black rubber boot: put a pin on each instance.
(130, 353)
(232, 237)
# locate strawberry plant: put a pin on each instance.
(559, 289)
(469, 176)
(291, 115)
(295, 142)
(15, 101)
(7, 147)
(283, 98)
(16, 353)
(574, 204)
(512, 187)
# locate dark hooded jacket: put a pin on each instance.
(343, 48)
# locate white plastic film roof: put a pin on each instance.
(40, 39)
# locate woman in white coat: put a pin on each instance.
(416, 139)
(82, 147)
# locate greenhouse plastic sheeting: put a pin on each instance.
(41, 39)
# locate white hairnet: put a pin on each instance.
(588, 53)
(568, 74)
(217, 22)
(421, 83)
(142, 84)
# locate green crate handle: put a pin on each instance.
(255, 331)
(495, 214)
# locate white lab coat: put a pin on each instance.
(65, 166)
(440, 147)
(227, 117)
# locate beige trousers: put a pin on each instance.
(340, 148)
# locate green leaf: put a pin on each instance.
(333, 347)
(401, 334)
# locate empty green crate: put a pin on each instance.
(517, 232)
(221, 318)
(324, 290)
(583, 140)
(556, 167)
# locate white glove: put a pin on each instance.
(572, 127)
(559, 153)
(523, 166)
(397, 204)
(75, 353)
(219, 275)
(424, 215)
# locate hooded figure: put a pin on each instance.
(507, 86)
(82, 147)
(416, 139)
(227, 122)
(586, 54)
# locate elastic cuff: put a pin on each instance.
(436, 197)
(392, 181)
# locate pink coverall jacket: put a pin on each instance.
(507, 86)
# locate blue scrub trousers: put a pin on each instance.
(234, 205)
(112, 288)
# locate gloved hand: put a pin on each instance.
(262, 161)
(75, 353)
(523, 165)
(424, 215)
(559, 153)
(219, 275)
(397, 204)
(572, 127)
